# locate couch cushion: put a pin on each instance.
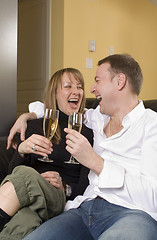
(152, 104)
(93, 103)
(5, 156)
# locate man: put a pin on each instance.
(121, 199)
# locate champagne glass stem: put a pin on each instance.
(74, 122)
(72, 160)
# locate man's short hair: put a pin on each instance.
(124, 63)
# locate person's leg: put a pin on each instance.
(8, 199)
(37, 199)
(22, 223)
(131, 225)
(9, 203)
(113, 222)
(34, 191)
(68, 225)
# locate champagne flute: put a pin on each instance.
(50, 124)
(74, 122)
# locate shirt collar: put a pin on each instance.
(134, 115)
(131, 117)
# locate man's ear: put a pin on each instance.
(121, 81)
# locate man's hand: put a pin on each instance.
(19, 126)
(36, 144)
(81, 149)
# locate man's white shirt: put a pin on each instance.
(129, 175)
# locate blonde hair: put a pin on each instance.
(51, 91)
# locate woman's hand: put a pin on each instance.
(54, 179)
(19, 126)
(35, 144)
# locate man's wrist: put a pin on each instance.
(97, 164)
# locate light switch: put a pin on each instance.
(111, 50)
(91, 45)
(89, 63)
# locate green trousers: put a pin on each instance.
(39, 201)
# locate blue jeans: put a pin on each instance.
(98, 219)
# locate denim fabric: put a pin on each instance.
(98, 219)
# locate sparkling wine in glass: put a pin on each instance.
(50, 124)
(74, 122)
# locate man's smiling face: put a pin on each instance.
(104, 88)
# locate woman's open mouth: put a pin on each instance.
(73, 102)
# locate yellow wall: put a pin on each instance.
(129, 26)
(57, 34)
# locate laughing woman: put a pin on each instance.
(36, 191)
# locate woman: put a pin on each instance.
(40, 197)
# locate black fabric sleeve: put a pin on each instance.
(18, 160)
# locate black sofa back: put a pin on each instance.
(93, 103)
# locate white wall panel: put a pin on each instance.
(8, 64)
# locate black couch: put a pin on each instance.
(93, 103)
(5, 155)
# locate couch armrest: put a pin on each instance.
(5, 156)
